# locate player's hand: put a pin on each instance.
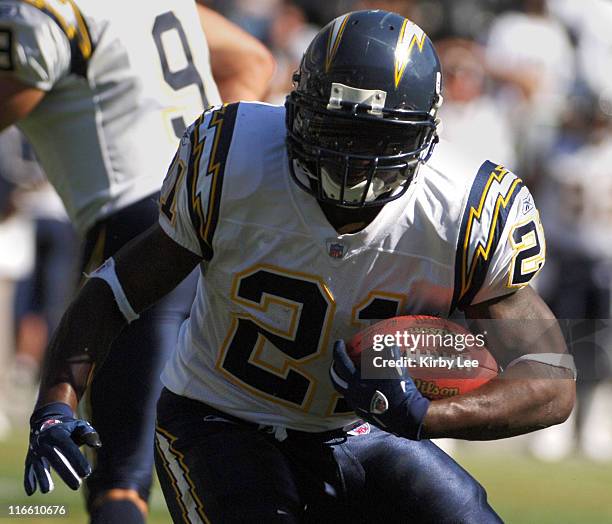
(394, 404)
(55, 437)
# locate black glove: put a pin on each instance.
(55, 437)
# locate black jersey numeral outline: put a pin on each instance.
(527, 241)
(283, 378)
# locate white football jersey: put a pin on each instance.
(280, 285)
(122, 79)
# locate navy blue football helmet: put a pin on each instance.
(363, 112)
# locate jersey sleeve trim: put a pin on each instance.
(221, 122)
(76, 30)
(491, 197)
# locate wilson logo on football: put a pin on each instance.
(432, 390)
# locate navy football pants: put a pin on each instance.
(216, 468)
(120, 402)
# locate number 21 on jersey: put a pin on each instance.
(305, 340)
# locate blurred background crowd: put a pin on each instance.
(528, 83)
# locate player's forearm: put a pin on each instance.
(528, 397)
(234, 90)
(16, 101)
(242, 73)
(141, 273)
(241, 65)
(80, 344)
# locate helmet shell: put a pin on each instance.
(373, 50)
(362, 115)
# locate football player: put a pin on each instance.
(104, 91)
(307, 221)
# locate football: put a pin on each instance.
(443, 358)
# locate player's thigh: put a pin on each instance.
(410, 481)
(213, 470)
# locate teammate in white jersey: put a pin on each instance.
(127, 91)
(104, 91)
(308, 221)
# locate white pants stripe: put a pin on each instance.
(186, 497)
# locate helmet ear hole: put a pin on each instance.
(361, 123)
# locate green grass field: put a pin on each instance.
(11, 490)
(521, 489)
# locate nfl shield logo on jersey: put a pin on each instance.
(335, 249)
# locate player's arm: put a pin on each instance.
(144, 271)
(147, 268)
(140, 274)
(530, 394)
(501, 247)
(34, 54)
(241, 65)
(17, 100)
(535, 391)
(115, 294)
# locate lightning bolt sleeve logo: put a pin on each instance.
(491, 197)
